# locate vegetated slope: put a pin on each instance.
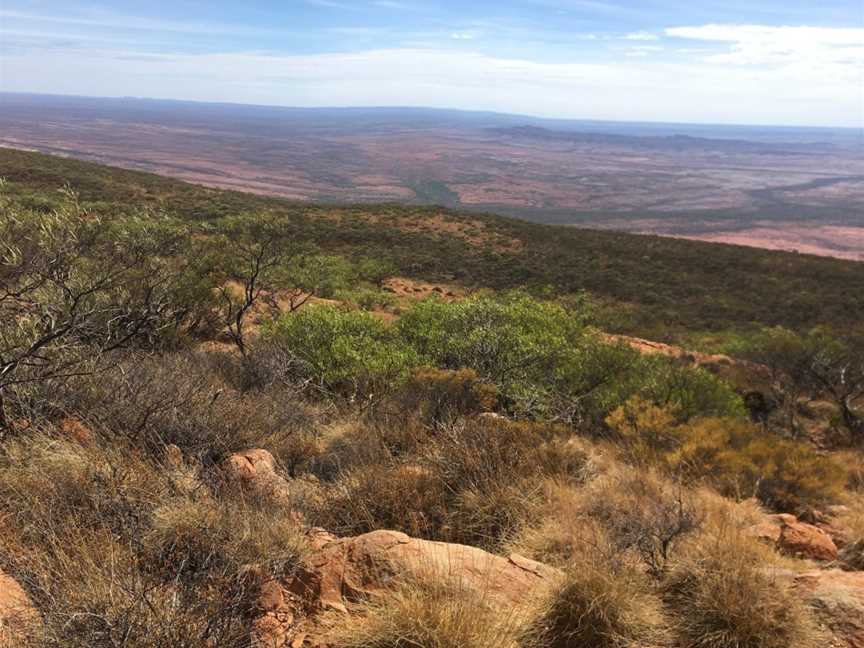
(159, 489)
(658, 287)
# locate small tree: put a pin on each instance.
(254, 253)
(815, 365)
(835, 369)
(74, 287)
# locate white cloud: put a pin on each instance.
(635, 90)
(838, 52)
(641, 36)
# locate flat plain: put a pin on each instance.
(779, 188)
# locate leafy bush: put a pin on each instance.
(515, 343)
(339, 351)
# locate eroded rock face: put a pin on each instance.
(342, 571)
(19, 620)
(795, 538)
(838, 598)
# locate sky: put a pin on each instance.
(785, 62)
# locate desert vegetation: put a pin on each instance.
(225, 431)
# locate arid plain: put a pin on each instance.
(779, 188)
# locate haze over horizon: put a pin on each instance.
(779, 63)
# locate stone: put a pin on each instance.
(255, 470)
(838, 598)
(19, 619)
(795, 538)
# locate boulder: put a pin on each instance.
(19, 620)
(838, 598)
(255, 470)
(339, 572)
(795, 538)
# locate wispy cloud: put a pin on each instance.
(116, 21)
(640, 89)
(641, 36)
(831, 49)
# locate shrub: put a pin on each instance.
(475, 482)
(602, 603)
(427, 615)
(346, 352)
(724, 595)
(441, 395)
(515, 343)
(179, 398)
(366, 298)
(643, 513)
(735, 456)
(743, 461)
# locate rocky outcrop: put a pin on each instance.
(795, 538)
(19, 620)
(838, 598)
(341, 571)
(255, 471)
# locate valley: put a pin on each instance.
(790, 189)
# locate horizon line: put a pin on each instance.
(859, 128)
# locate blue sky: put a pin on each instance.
(763, 62)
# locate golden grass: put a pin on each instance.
(427, 615)
(727, 591)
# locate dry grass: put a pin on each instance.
(117, 550)
(603, 601)
(852, 524)
(427, 616)
(726, 593)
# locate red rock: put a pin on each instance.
(348, 569)
(838, 598)
(19, 620)
(255, 469)
(340, 571)
(795, 538)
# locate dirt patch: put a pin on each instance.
(823, 240)
(410, 289)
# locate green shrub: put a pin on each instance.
(513, 342)
(340, 351)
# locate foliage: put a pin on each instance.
(74, 287)
(815, 364)
(444, 395)
(736, 456)
(340, 351)
(726, 287)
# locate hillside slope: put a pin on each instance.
(656, 287)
